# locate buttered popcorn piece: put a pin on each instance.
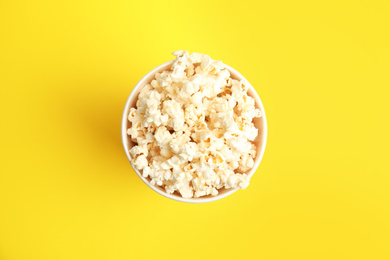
(192, 128)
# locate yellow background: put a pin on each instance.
(321, 69)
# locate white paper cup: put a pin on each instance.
(260, 141)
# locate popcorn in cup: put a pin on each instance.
(194, 129)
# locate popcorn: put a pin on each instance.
(175, 112)
(140, 162)
(138, 150)
(188, 151)
(206, 62)
(192, 126)
(162, 136)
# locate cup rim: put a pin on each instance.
(261, 150)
